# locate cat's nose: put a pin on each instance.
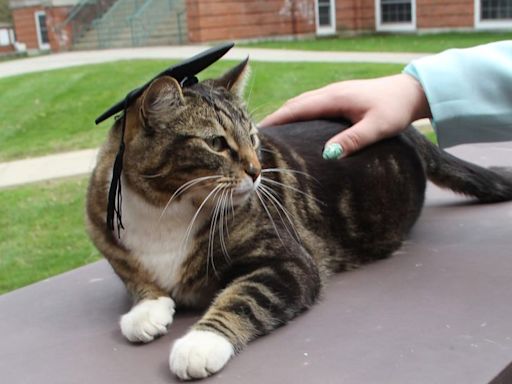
(253, 170)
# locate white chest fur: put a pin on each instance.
(156, 240)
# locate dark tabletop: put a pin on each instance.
(438, 311)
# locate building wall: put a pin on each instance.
(355, 15)
(59, 39)
(210, 20)
(24, 23)
(26, 30)
(445, 14)
(6, 48)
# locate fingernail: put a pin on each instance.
(333, 151)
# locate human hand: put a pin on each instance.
(378, 108)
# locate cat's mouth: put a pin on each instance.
(246, 187)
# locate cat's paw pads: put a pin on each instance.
(199, 354)
(147, 319)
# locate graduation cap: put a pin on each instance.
(184, 73)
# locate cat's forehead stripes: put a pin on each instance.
(227, 111)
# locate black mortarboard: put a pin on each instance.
(184, 73)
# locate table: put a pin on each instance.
(438, 311)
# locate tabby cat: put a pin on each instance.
(250, 224)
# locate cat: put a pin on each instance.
(250, 224)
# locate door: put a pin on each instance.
(42, 30)
(325, 17)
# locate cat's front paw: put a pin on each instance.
(147, 319)
(199, 354)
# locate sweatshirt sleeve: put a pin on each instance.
(469, 92)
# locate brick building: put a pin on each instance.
(228, 19)
(35, 22)
(38, 23)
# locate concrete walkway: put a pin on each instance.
(82, 162)
(47, 167)
(70, 59)
(70, 164)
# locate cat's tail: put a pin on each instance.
(488, 185)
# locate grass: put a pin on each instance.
(42, 232)
(390, 42)
(54, 111)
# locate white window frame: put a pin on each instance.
(489, 24)
(42, 45)
(5, 38)
(395, 27)
(323, 30)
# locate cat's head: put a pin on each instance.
(200, 134)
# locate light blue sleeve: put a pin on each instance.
(469, 92)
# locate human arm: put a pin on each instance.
(469, 92)
(378, 108)
(465, 91)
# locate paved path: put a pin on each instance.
(70, 59)
(81, 162)
(69, 164)
(47, 167)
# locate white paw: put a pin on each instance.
(199, 354)
(147, 319)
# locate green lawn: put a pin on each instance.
(42, 232)
(54, 111)
(390, 42)
(41, 226)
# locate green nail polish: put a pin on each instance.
(333, 151)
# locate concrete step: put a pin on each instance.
(166, 32)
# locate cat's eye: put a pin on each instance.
(217, 143)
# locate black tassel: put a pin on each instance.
(115, 197)
(185, 74)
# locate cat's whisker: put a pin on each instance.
(257, 108)
(153, 176)
(274, 197)
(267, 180)
(232, 205)
(285, 170)
(192, 221)
(263, 149)
(222, 225)
(189, 184)
(253, 80)
(213, 225)
(270, 217)
(216, 221)
(279, 206)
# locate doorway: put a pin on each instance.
(325, 17)
(42, 30)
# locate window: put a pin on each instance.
(4, 37)
(396, 11)
(395, 15)
(496, 9)
(493, 14)
(42, 30)
(325, 17)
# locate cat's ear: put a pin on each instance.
(162, 94)
(236, 78)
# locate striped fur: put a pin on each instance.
(250, 225)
